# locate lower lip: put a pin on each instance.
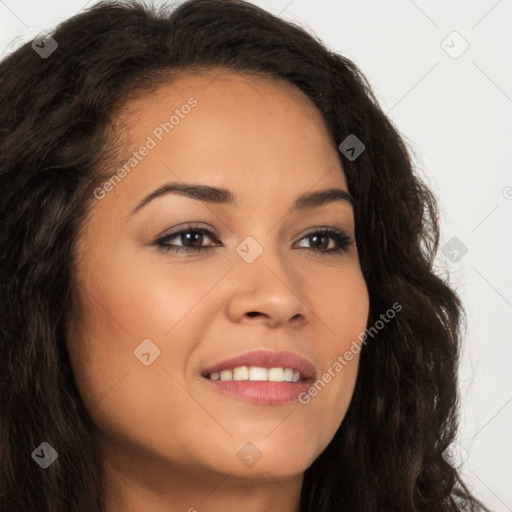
(261, 392)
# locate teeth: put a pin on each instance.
(257, 373)
(226, 375)
(288, 375)
(276, 374)
(241, 373)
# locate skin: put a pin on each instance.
(168, 441)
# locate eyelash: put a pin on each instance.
(341, 238)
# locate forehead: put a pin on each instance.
(229, 100)
(251, 132)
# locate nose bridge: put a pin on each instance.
(265, 282)
(263, 252)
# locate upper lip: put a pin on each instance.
(266, 359)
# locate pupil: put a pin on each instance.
(196, 234)
(316, 237)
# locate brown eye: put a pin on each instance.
(321, 238)
(192, 239)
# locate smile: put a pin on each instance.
(257, 374)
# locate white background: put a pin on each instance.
(456, 116)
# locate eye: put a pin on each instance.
(321, 238)
(193, 237)
(195, 240)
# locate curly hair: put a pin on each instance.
(56, 145)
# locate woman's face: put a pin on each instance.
(151, 321)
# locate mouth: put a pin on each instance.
(262, 377)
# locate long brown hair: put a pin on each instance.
(55, 115)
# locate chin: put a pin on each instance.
(276, 469)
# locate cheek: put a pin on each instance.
(128, 299)
(343, 305)
(123, 302)
(345, 317)
(124, 397)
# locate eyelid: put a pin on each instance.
(210, 233)
(188, 226)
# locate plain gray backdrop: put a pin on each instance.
(442, 72)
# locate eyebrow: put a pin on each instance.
(217, 195)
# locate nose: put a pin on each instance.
(267, 291)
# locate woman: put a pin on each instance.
(217, 265)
